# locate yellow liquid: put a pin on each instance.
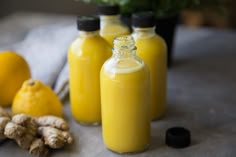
(125, 109)
(86, 57)
(111, 31)
(152, 51)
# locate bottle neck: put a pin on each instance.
(124, 47)
(110, 18)
(86, 34)
(144, 32)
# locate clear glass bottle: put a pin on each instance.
(111, 24)
(125, 97)
(153, 50)
(86, 56)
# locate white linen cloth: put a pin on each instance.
(44, 45)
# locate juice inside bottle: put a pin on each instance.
(111, 24)
(152, 49)
(86, 56)
(125, 101)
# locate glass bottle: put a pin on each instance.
(125, 99)
(111, 24)
(86, 56)
(153, 50)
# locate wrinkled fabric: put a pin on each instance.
(44, 46)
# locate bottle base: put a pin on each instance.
(88, 123)
(129, 152)
(158, 118)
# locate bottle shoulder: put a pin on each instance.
(114, 28)
(129, 65)
(139, 73)
(90, 45)
(150, 37)
(154, 43)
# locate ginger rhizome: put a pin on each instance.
(5, 117)
(3, 123)
(52, 121)
(37, 135)
(4, 113)
(38, 147)
(54, 137)
(22, 129)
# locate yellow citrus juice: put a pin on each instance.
(153, 51)
(111, 30)
(86, 56)
(125, 107)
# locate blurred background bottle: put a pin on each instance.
(86, 56)
(111, 24)
(153, 50)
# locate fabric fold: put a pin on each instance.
(62, 83)
(45, 50)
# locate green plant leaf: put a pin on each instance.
(162, 8)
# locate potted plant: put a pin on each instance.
(210, 13)
(166, 12)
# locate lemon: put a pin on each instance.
(36, 99)
(14, 70)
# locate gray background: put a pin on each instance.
(53, 6)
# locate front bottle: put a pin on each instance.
(86, 56)
(152, 49)
(125, 99)
(111, 24)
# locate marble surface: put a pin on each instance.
(201, 97)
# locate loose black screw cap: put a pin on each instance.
(178, 137)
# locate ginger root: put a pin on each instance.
(4, 119)
(25, 141)
(22, 129)
(37, 135)
(4, 113)
(38, 148)
(3, 123)
(52, 121)
(27, 122)
(54, 137)
(21, 119)
(13, 131)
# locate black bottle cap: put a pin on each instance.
(143, 19)
(178, 137)
(88, 23)
(105, 9)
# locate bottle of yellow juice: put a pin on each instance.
(125, 99)
(111, 24)
(86, 56)
(153, 50)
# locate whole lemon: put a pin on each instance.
(36, 99)
(14, 70)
